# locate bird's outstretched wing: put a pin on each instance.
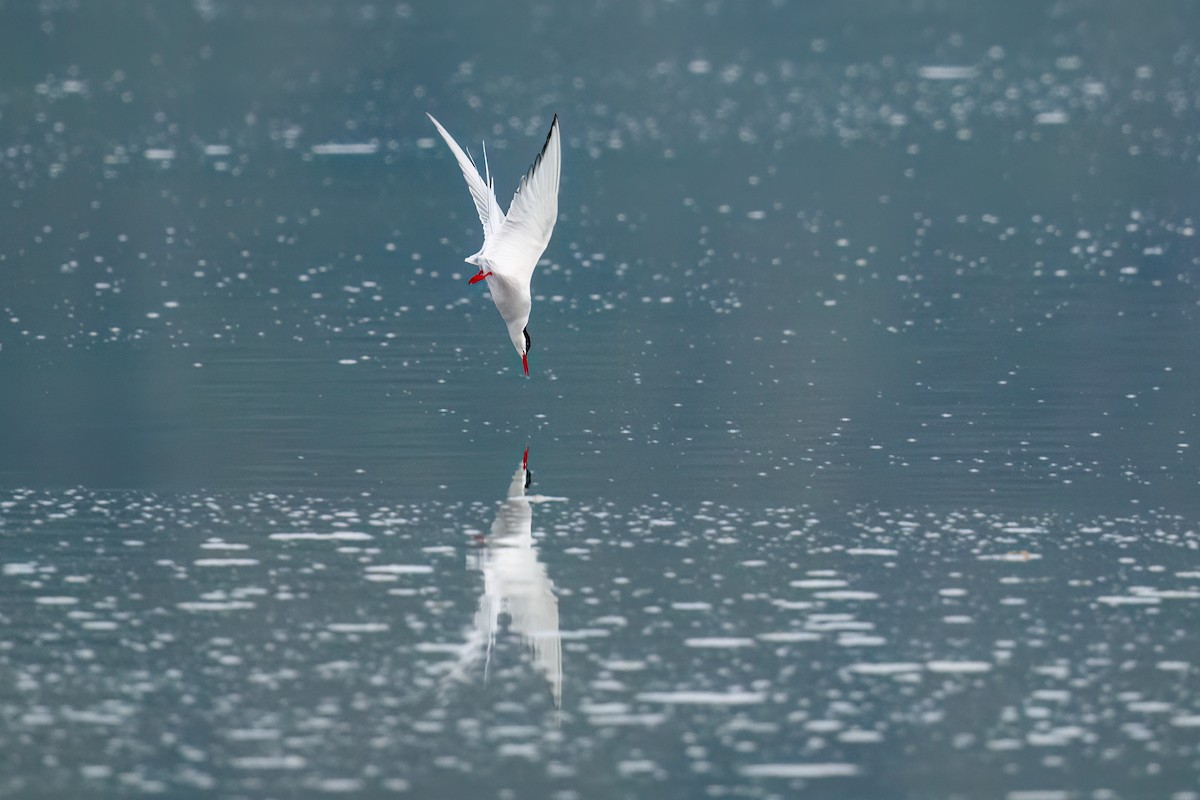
(482, 191)
(517, 245)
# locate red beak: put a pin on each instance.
(525, 363)
(525, 460)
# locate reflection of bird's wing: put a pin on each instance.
(529, 598)
(482, 190)
(517, 245)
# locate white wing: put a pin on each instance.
(515, 248)
(482, 191)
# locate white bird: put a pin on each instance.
(513, 243)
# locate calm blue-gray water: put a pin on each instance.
(863, 453)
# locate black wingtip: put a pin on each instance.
(545, 146)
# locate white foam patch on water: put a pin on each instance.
(718, 642)
(349, 149)
(1128, 600)
(789, 636)
(281, 762)
(1151, 707)
(829, 770)
(703, 698)
(958, 666)
(56, 600)
(335, 536)
(253, 734)
(100, 625)
(947, 73)
(401, 569)
(357, 627)
(626, 720)
(584, 633)
(871, 551)
(339, 785)
(214, 605)
(1016, 556)
(1052, 118)
(1165, 594)
(884, 668)
(817, 583)
(225, 562)
(846, 594)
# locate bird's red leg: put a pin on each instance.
(480, 276)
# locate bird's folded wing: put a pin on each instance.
(519, 242)
(482, 191)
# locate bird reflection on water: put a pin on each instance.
(516, 587)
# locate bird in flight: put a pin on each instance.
(513, 242)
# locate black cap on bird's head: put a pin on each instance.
(528, 347)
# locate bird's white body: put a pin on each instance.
(513, 242)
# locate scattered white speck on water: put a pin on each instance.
(358, 627)
(334, 536)
(283, 762)
(401, 569)
(214, 605)
(885, 668)
(845, 594)
(1186, 721)
(225, 562)
(795, 771)
(718, 642)
(958, 666)
(349, 149)
(732, 698)
(789, 636)
(948, 73)
(1128, 600)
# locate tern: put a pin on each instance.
(513, 242)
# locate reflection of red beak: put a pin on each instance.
(525, 363)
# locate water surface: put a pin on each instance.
(861, 420)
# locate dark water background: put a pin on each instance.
(862, 416)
